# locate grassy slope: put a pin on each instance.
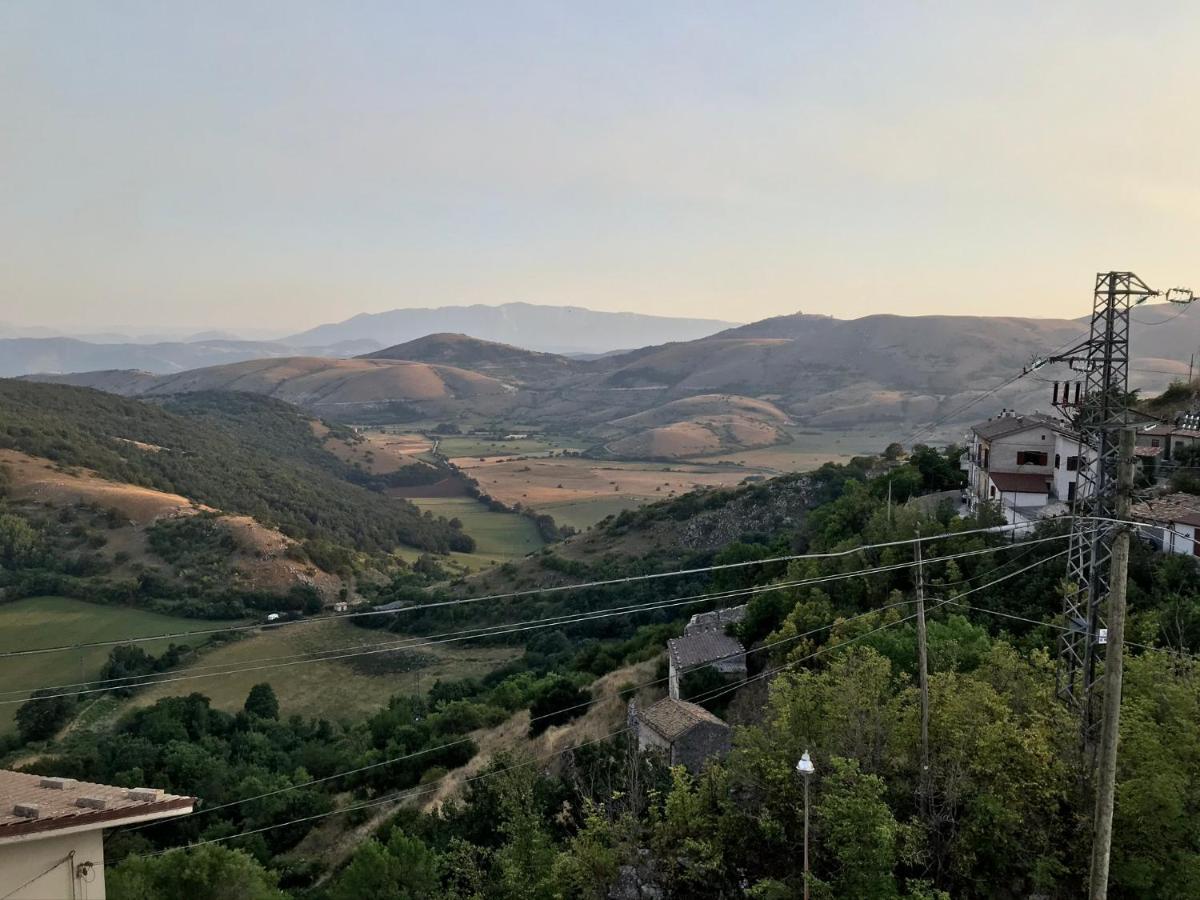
(55, 621)
(333, 689)
(499, 536)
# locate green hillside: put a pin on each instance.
(237, 452)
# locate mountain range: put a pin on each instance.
(552, 329)
(744, 387)
(564, 329)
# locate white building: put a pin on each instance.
(1174, 521)
(52, 832)
(1028, 465)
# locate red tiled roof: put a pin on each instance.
(1021, 482)
(1181, 508)
(32, 804)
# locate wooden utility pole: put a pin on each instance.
(1114, 660)
(923, 679)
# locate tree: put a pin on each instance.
(211, 872)
(38, 719)
(19, 542)
(560, 701)
(403, 870)
(261, 702)
(858, 833)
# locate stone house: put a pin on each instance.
(686, 734)
(701, 649)
(715, 619)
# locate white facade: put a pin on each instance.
(1180, 537)
(1172, 522)
(55, 865)
(1027, 465)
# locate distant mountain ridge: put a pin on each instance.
(61, 355)
(550, 329)
(740, 388)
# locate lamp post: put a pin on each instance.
(805, 768)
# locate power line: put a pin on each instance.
(990, 392)
(596, 700)
(553, 589)
(431, 788)
(490, 631)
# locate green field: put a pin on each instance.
(582, 514)
(499, 537)
(335, 689)
(57, 621)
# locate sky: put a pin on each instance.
(275, 165)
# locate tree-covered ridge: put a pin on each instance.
(236, 452)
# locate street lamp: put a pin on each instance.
(806, 768)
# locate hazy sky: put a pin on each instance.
(283, 164)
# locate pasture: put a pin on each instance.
(499, 536)
(336, 689)
(581, 492)
(58, 621)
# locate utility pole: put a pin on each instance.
(1103, 359)
(923, 679)
(1113, 670)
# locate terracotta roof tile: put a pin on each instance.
(30, 804)
(1182, 508)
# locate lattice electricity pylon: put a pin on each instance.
(1103, 360)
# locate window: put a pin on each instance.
(1154, 442)
(1071, 492)
(1072, 463)
(1057, 461)
(993, 491)
(1032, 458)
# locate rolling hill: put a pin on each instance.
(486, 357)
(745, 386)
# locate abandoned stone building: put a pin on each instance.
(701, 649)
(716, 619)
(686, 734)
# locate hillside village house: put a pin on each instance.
(1164, 440)
(1027, 464)
(685, 733)
(52, 832)
(701, 649)
(1174, 521)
